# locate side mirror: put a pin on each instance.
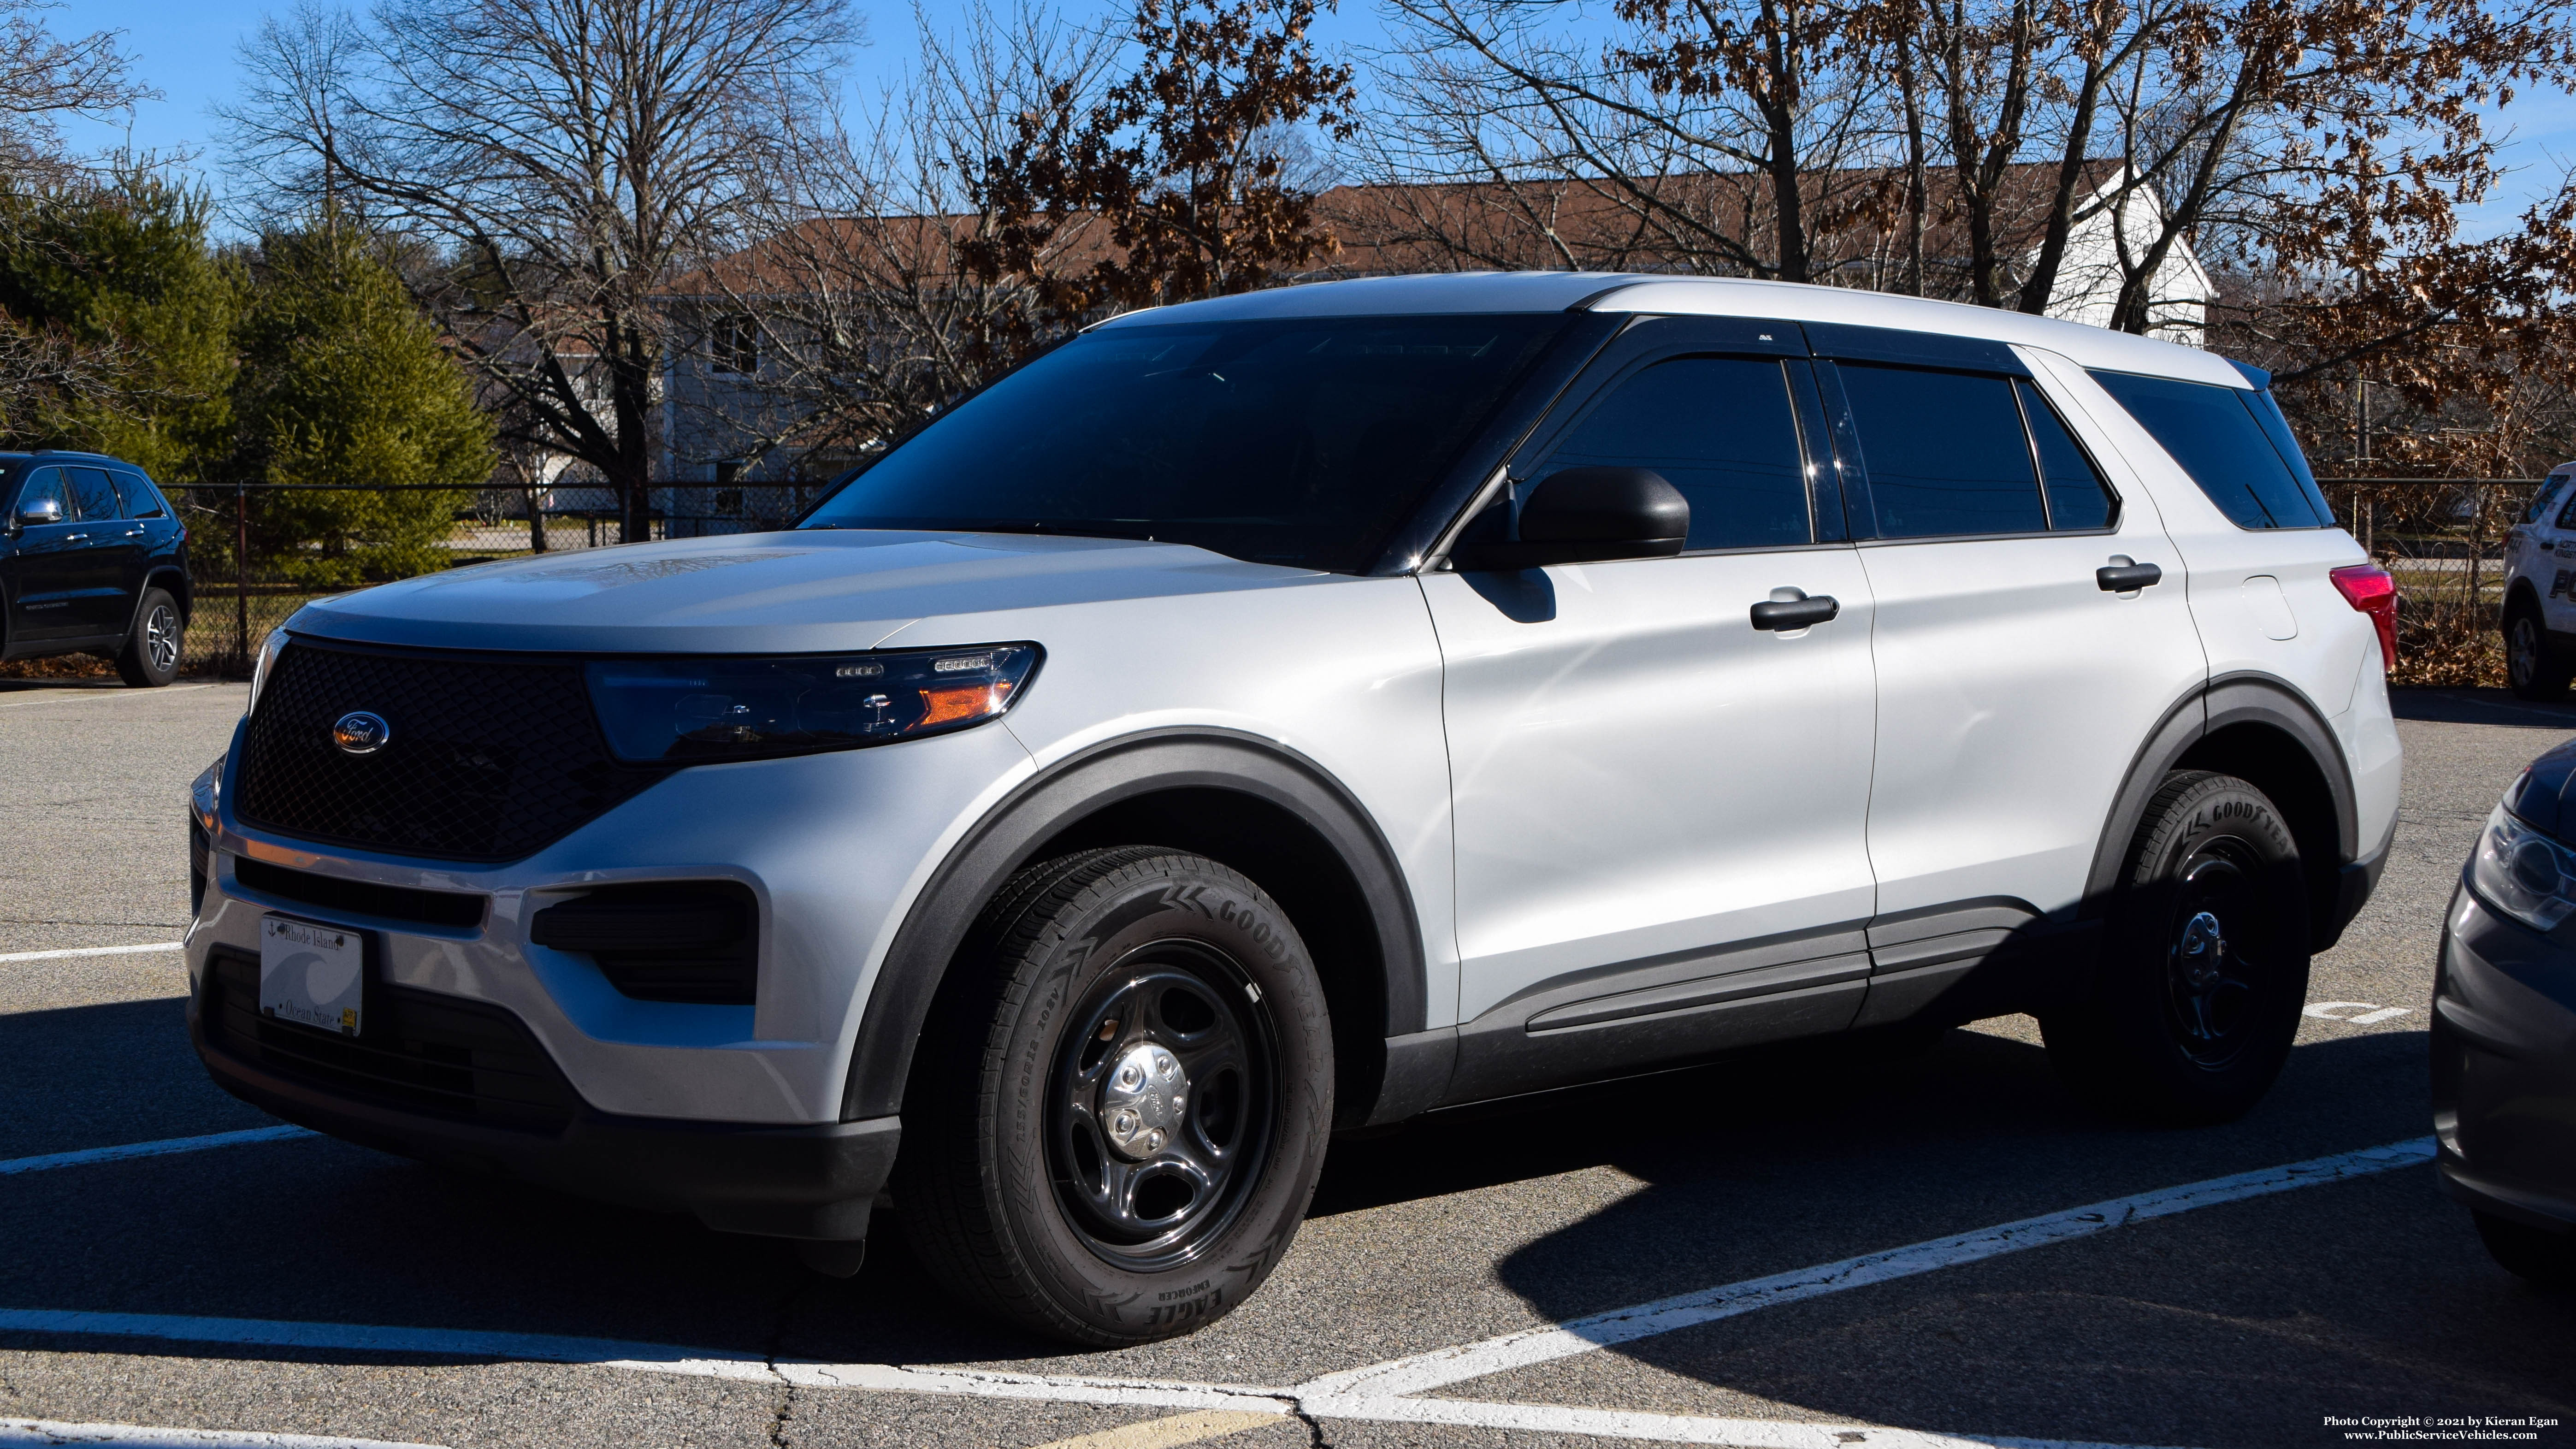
(43, 510)
(1588, 515)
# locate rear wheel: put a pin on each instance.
(1119, 1111)
(2536, 667)
(150, 657)
(2204, 966)
(2543, 1257)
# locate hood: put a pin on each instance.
(2542, 798)
(818, 590)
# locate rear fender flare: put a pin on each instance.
(2228, 701)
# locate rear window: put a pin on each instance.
(1945, 452)
(2234, 444)
(142, 500)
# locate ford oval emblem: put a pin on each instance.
(361, 733)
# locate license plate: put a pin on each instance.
(314, 975)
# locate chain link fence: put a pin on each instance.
(305, 542)
(2442, 538)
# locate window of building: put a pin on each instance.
(735, 344)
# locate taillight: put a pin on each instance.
(2368, 587)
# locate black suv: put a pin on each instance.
(92, 560)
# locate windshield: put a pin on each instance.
(1301, 442)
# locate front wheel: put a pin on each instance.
(1117, 1116)
(2544, 1258)
(2204, 965)
(150, 657)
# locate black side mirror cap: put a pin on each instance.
(1588, 515)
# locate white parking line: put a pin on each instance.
(1425, 1372)
(69, 696)
(94, 951)
(162, 1148)
(135, 1436)
(1383, 1392)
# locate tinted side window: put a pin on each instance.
(1944, 452)
(97, 496)
(2077, 496)
(2541, 501)
(141, 499)
(2567, 515)
(1721, 430)
(2214, 434)
(44, 484)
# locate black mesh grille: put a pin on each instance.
(468, 1061)
(486, 759)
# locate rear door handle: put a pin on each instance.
(1795, 613)
(2124, 578)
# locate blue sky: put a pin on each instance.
(186, 49)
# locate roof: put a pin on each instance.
(1450, 293)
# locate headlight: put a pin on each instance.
(702, 709)
(263, 663)
(2524, 873)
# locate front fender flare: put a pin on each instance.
(1009, 836)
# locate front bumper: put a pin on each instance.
(816, 1182)
(2504, 1066)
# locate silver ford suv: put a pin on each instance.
(1299, 712)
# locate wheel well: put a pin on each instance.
(1288, 858)
(176, 581)
(2520, 594)
(2276, 763)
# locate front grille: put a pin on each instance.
(439, 1056)
(486, 759)
(400, 903)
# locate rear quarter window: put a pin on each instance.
(2233, 443)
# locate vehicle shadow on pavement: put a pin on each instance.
(2232, 1325)
(2481, 707)
(2243, 1324)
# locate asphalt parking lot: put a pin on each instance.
(1935, 1250)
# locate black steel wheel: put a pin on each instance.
(1116, 1116)
(1160, 1108)
(2204, 962)
(2209, 975)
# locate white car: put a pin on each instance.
(1302, 711)
(2539, 610)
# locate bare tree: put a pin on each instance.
(44, 79)
(1179, 163)
(570, 158)
(1723, 136)
(864, 300)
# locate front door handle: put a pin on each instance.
(1795, 613)
(2122, 578)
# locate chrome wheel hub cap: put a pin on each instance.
(1143, 1101)
(2203, 947)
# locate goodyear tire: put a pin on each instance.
(2204, 965)
(1117, 1114)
